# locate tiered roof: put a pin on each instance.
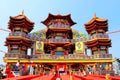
(98, 42)
(51, 17)
(21, 21)
(18, 41)
(96, 23)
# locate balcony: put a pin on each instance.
(59, 27)
(18, 34)
(33, 37)
(53, 57)
(72, 56)
(15, 56)
(48, 58)
(102, 56)
(59, 40)
(99, 36)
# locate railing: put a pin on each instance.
(62, 27)
(49, 56)
(19, 34)
(99, 36)
(104, 72)
(34, 38)
(72, 56)
(16, 34)
(58, 40)
(101, 56)
(15, 56)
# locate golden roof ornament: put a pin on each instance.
(22, 12)
(95, 15)
(58, 14)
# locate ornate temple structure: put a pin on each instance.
(58, 48)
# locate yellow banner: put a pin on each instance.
(39, 47)
(79, 47)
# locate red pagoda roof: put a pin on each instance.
(20, 17)
(96, 19)
(96, 23)
(98, 42)
(51, 16)
(20, 20)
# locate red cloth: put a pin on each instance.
(10, 75)
(8, 70)
(41, 74)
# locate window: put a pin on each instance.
(102, 51)
(23, 52)
(100, 31)
(17, 29)
(14, 46)
(95, 52)
(51, 26)
(59, 24)
(93, 33)
(58, 37)
(14, 51)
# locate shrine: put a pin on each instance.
(58, 48)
